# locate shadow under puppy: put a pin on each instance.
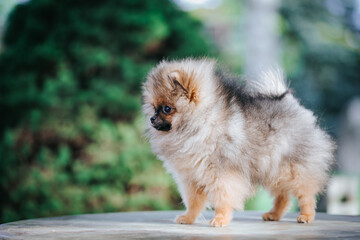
(220, 139)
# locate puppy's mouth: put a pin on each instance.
(165, 127)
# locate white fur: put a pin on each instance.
(269, 82)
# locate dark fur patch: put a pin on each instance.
(232, 88)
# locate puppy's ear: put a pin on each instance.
(175, 79)
(186, 83)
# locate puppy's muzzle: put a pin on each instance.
(160, 124)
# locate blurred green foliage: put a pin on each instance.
(321, 54)
(70, 81)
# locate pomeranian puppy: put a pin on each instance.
(220, 139)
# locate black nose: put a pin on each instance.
(152, 119)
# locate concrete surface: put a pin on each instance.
(160, 225)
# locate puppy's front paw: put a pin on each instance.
(184, 219)
(305, 218)
(271, 216)
(219, 221)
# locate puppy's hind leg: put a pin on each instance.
(195, 203)
(281, 203)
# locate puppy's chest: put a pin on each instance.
(197, 151)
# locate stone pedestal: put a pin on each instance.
(160, 225)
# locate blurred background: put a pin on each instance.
(71, 128)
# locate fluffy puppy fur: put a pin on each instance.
(220, 139)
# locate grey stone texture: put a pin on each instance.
(160, 225)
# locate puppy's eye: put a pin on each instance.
(166, 109)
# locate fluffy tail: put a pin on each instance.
(270, 82)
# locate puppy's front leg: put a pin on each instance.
(195, 203)
(223, 215)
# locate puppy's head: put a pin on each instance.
(171, 92)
